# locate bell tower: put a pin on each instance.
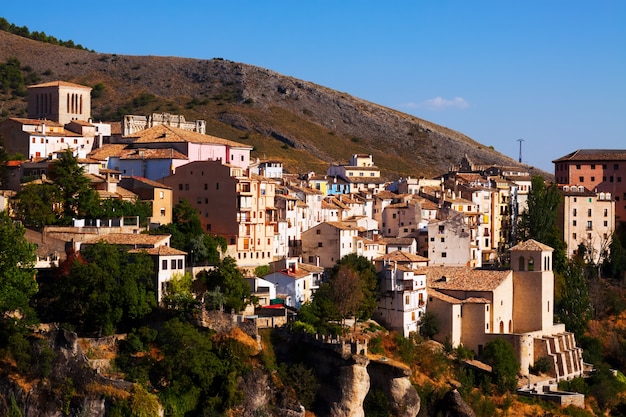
(533, 287)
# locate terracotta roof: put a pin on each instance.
(150, 153)
(343, 225)
(386, 195)
(59, 84)
(398, 240)
(464, 279)
(148, 182)
(594, 155)
(401, 256)
(532, 244)
(108, 150)
(129, 239)
(35, 122)
(167, 134)
(453, 300)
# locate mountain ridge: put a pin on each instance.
(307, 126)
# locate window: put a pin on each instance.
(581, 179)
(616, 166)
(444, 255)
(588, 212)
(593, 166)
(163, 211)
(574, 223)
(574, 236)
(161, 195)
(574, 213)
(443, 239)
(577, 166)
(180, 264)
(164, 265)
(173, 263)
(407, 299)
(319, 244)
(318, 231)
(593, 179)
(606, 212)
(589, 225)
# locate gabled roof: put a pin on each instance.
(59, 84)
(169, 134)
(464, 279)
(401, 256)
(533, 245)
(35, 122)
(108, 150)
(129, 239)
(594, 155)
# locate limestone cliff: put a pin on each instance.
(347, 378)
(71, 388)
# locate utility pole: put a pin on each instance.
(520, 140)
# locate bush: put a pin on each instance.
(542, 365)
(500, 355)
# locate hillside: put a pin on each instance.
(306, 125)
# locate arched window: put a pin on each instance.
(531, 263)
(501, 327)
(521, 263)
(510, 326)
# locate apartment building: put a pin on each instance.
(231, 203)
(588, 218)
(597, 170)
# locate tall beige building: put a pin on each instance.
(59, 101)
(588, 218)
(233, 204)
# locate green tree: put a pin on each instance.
(573, 307)
(230, 281)
(539, 221)
(17, 274)
(501, 356)
(367, 289)
(615, 264)
(179, 295)
(187, 235)
(105, 287)
(77, 196)
(429, 324)
(35, 205)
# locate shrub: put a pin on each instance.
(542, 365)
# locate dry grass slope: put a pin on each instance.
(306, 125)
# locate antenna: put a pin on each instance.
(520, 149)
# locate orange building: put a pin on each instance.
(231, 203)
(598, 170)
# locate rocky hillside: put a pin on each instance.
(305, 125)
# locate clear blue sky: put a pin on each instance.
(551, 72)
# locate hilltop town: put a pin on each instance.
(448, 246)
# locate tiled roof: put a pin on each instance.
(532, 244)
(343, 225)
(129, 239)
(398, 240)
(107, 151)
(151, 153)
(386, 195)
(150, 183)
(594, 155)
(401, 256)
(59, 84)
(168, 134)
(464, 279)
(453, 300)
(36, 122)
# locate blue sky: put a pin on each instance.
(550, 72)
